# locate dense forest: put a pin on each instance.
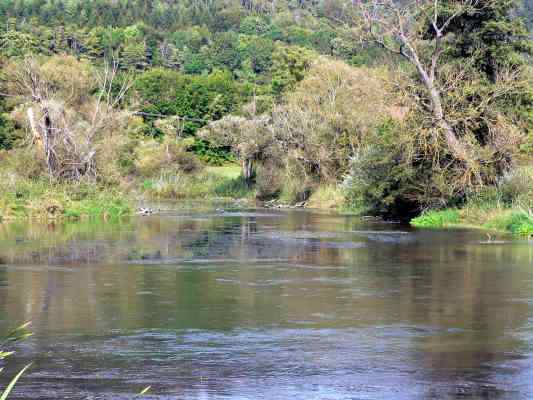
(390, 108)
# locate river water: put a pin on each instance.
(260, 304)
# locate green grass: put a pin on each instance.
(24, 199)
(327, 197)
(212, 182)
(437, 219)
(514, 221)
(230, 171)
(505, 207)
(518, 223)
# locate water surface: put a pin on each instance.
(260, 304)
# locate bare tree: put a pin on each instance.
(64, 118)
(396, 26)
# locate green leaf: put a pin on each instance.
(18, 334)
(144, 391)
(13, 383)
(5, 354)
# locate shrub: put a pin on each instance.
(7, 134)
(327, 196)
(24, 162)
(153, 156)
(329, 115)
(254, 25)
(517, 222)
(268, 181)
(379, 180)
(516, 187)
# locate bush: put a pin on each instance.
(379, 180)
(330, 114)
(268, 181)
(7, 134)
(254, 25)
(153, 156)
(327, 196)
(513, 190)
(519, 223)
(516, 187)
(24, 162)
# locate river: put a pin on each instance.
(266, 304)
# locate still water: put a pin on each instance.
(270, 305)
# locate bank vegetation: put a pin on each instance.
(400, 110)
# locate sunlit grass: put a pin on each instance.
(41, 199)
(212, 182)
(436, 219)
(515, 221)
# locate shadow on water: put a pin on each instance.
(258, 304)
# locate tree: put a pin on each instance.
(224, 51)
(491, 34)
(258, 51)
(64, 118)
(463, 131)
(17, 44)
(330, 114)
(133, 56)
(289, 65)
(197, 99)
(254, 25)
(249, 137)
(398, 27)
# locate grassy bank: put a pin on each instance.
(211, 182)
(506, 207)
(27, 198)
(41, 199)
(518, 222)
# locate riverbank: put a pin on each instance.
(506, 207)
(516, 221)
(27, 198)
(40, 199)
(495, 209)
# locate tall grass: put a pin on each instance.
(327, 197)
(38, 198)
(212, 182)
(506, 207)
(16, 335)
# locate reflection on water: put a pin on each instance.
(266, 305)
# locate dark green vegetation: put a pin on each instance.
(423, 111)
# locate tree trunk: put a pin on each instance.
(247, 170)
(44, 140)
(457, 148)
(49, 143)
